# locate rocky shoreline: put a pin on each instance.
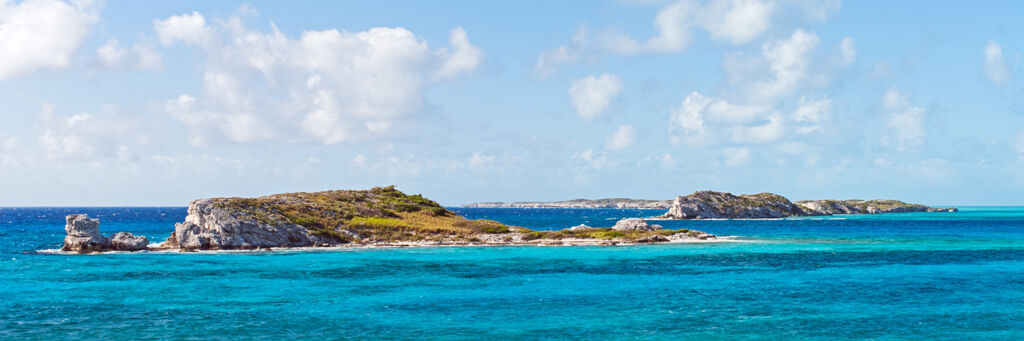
(379, 217)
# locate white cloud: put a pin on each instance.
(905, 122)
(771, 131)
(42, 34)
(995, 66)
(463, 58)
(737, 21)
(477, 160)
(622, 138)
(787, 60)
(326, 86)
(688, 117)
(140, 57)
(591, 96)
(671, 23)
(810, 113)
(734, 21)
(736, 156)
(592, 159)
(848, 51)
(187, 28)
(549, 61)
(85, 136)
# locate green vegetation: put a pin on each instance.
(385, 214)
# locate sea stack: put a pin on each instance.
(83, 236)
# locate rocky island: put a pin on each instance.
(382, 216)
(720, 205)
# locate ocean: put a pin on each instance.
(896, 276)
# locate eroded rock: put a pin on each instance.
(634, 224)
(83, 235)
(124, 241)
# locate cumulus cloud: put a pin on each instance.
(327, 86)
(787, 60)
(622, 138)
(747, 123)
(995, 66)
(733, 21)
(591, 95)
(737, 21)
(688, 117)
(141, 57)
(462, 58)
(187, 28)
(780, 69)
(42, 34)
(905, 122)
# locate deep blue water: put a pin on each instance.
(904, 276)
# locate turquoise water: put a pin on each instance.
(900, 276)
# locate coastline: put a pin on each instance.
(411, 245)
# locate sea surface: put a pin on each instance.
(922, 276)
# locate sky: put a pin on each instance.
(146, 103)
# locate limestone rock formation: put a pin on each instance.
(125, 241)
(634, 224)
(212, 226)
(719, 205)
(83, 235)
(579, 227)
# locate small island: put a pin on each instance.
(378, 217)
(721, 205)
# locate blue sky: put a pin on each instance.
(158, 103)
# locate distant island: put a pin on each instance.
(580, 203)
(722, 205)
(378, 217)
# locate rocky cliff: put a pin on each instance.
(719, 205)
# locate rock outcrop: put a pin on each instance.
(634, 224)
(211, 225)
(719, 205)
(83, 235)
(125, 241)
(830, 207)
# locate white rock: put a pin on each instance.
(83, 235)
(634, 224)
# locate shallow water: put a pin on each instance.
(916, 276)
